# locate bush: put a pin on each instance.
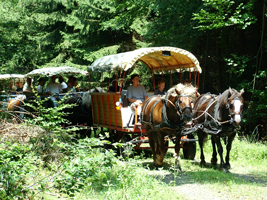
(83, 161)
(16, 163)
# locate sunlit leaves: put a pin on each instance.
(237, 64)
(218, 14)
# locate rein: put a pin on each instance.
(165, 123)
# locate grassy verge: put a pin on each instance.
(137, 179)
(80, 170)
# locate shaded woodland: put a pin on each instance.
(228, 38)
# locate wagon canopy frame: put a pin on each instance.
(50, 71)
(157, 59)
(11, 76)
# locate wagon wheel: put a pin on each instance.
(189, 149)
(126, 150)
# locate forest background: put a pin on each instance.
(228, 38)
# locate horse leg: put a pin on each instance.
(220, 151)
(214, 154)
(176, 154)
(152, 146)
(228, 148)
(157, 151)
(201, 136)
(162, 149)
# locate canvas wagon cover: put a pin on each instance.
(50, 71)
(157, 59)
(10, 76)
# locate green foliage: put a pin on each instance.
(17, 162)
(237, 64)
(83, 161)
(49, 143)
(218, 14)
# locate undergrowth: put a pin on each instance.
(52, 164)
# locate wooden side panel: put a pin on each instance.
(104, 109)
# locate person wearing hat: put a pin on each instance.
(53, 89)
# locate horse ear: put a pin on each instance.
(230, 90)
(177, 91)
(242, 92)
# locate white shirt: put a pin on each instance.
(53, 88)
(39, 89)
(64, 85)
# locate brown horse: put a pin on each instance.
(15, 105)
(166, 116)
(220, 117)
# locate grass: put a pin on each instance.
(137, 179)
(103, 176)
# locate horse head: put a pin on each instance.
(231, 105)
(235, 105)
(183, 100)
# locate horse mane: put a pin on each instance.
(183, 89)
(227, 94)
(97, 89)
(86, 101)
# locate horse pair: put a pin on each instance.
(218, 116)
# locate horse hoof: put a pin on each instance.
(202, 163)
(228, 166)
(213, 161)
(223, 169)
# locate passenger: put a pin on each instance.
(70, 81)
(21, 84)
(63, 84)
(27, 87)
(19, 88)
(136, 93)
(114, 87)
(161, 88)
(40, 88)
(75, 84)
(53, 89)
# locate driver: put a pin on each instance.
(136, 93)
(53, 89)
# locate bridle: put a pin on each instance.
(229, 107)
(178, 106)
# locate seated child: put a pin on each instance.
(161, 88)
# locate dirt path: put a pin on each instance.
(184, 183)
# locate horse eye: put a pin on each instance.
(180, 102)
